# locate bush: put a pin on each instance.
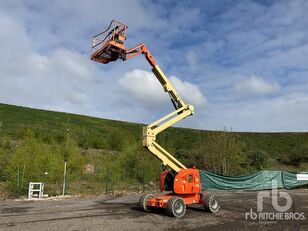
(222, 153)
(138, 165)
(4, 160)
(75, 161)
(258, 160)
(299, 155)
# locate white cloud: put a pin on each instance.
(192, 60)
(61, 80)
(145, 88)
(44, 60)
(71, 24)
(190, 92)
(255, 86)
(265, 114)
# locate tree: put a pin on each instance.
(221, 152)
(33, 161)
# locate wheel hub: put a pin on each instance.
(178, 207)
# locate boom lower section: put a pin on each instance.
(150, 131)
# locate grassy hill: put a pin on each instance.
(97, 141)
(93, 132)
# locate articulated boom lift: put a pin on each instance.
(184, 183)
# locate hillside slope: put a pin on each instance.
(93, 132)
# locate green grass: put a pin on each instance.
(99, 133)
(53, 125)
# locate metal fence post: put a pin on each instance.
(107, 181)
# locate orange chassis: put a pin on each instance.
(161, 201)
(186, 184)
(186, 190)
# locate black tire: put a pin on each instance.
(176, 207)
(143, 202)
(210, 203)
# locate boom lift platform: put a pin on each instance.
(183, 183)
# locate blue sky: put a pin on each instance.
(243, 64)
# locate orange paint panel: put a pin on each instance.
(187, 181)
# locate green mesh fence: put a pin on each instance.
(259, 181)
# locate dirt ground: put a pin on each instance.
(122, 213)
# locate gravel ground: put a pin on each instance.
(123, 213)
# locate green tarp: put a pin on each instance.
(259, 181)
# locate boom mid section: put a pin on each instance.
(183, 183)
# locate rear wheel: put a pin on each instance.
(143, 201)
(176, 207)
(210, 203)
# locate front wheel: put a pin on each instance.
(176, 207)
(210, 203)
(143, 201)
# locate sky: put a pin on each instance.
(243, 64)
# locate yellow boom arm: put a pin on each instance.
(150, 131)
